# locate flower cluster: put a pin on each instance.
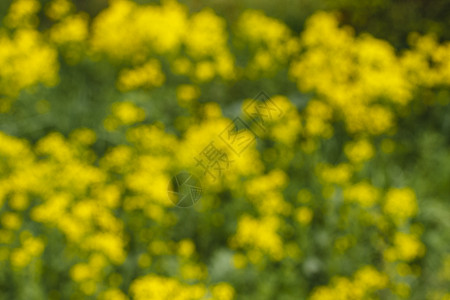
(365, 282)
(317, 198)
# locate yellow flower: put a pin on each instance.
(57, 9)
(19, 201)
(113, 294)
(186, 248)
(207, 34)
(369, 278)
(408, 246)
(190, 271)
(147, 75)
(186, 93)
(73, 28)
(88, 287)
(84, 136)
(363, 193)
(25, 60)
(22, 13)
(127, 112)
(11, 220)
(80, 272)
(400, 204)
(160, 27)
(204, 70)
(181, 66)
(339, 174)
(304, 215)
(269, 39)
(33, 246)
(153, 287)
(19, 258)
(109, 244)
(402, 289)
(223, 291)
(359, 151)
(366, 281)
(323, 293)
(260, 234)
(349, 74)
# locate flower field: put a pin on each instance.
(187, 150)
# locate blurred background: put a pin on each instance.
(318, 132)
